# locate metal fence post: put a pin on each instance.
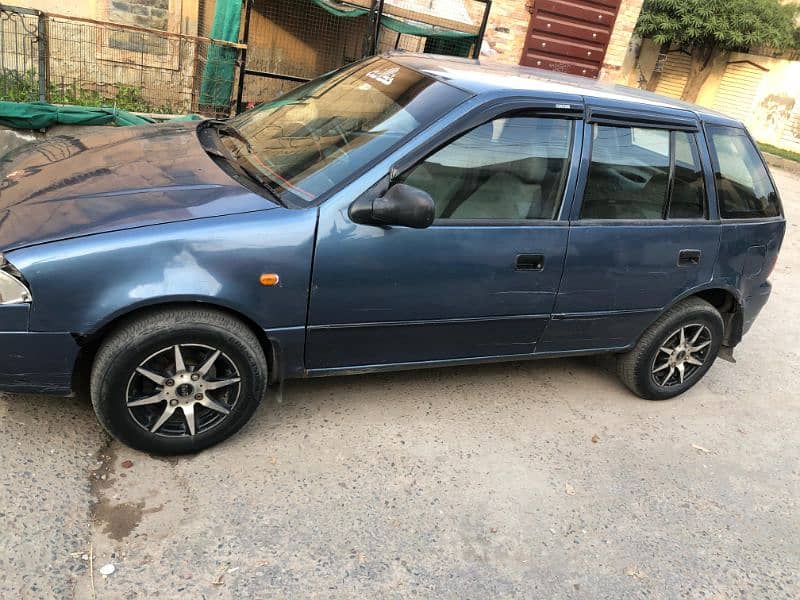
(377, 30)
(366, 50)
(41, 45)
(243, 56)
(482, 30)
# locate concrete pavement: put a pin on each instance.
(540, 479)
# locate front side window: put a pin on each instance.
(308, 141)
(510, 168)
(743, 185)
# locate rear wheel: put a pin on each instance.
(675, 351)
(178, 381)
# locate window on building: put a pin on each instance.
(157, 15)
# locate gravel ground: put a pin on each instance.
(540, 479)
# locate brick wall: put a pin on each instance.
(506, 30)
(614, 68)
(508, 27)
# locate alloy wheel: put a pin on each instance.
(681, 355)
(183, 390)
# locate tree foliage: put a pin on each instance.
(733, 25)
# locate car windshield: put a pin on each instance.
(309, 140)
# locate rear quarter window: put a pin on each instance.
(744, 188)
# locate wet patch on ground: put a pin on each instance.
(115, 519)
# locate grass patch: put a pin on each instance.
(24, 87)
(770, 149)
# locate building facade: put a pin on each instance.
(575, 31)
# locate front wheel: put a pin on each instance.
(178, 380)
(675, 351)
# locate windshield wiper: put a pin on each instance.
(253, 173)
(242, 164)
(225, 128)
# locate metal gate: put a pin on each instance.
(292, 41)
(570, 36)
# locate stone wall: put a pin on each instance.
(144, 13)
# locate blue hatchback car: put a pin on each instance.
(406, 211)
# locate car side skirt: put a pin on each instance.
(433, 364)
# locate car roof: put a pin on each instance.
(479, 77)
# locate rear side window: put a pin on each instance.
(743, 185)
(688, 189)
(631, 170)
(628, 175)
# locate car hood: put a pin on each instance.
(112, 179)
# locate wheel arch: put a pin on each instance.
(90, 342)
(728, 302)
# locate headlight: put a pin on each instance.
(12, 289)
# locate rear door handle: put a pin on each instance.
(530, 262)
(689, 257)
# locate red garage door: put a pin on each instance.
(569, 35)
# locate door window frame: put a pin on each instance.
(614, 117)
(533, 107)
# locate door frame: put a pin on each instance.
(566, 108)
(555, 106)
(629, 116)
(623, 114)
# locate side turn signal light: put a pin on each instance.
(269, 279)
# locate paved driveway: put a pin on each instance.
(541, 479)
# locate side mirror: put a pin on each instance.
(401, 205)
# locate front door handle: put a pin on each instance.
(530, 262)
(689, 257)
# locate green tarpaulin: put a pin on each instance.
(217, 84)
(41, 115)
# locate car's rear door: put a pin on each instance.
(482, 280)
(642, 230)
(752, 222)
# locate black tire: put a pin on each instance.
(635, 368)
(197, 330)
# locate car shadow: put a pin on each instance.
(560, 377)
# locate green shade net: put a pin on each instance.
(422, 30)
(439, 40)
(41, 115)
(218, 74)
(340, 10)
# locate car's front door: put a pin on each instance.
(480, 282)
(643, 235)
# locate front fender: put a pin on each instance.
(80, 285)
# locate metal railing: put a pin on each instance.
(80, 61)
